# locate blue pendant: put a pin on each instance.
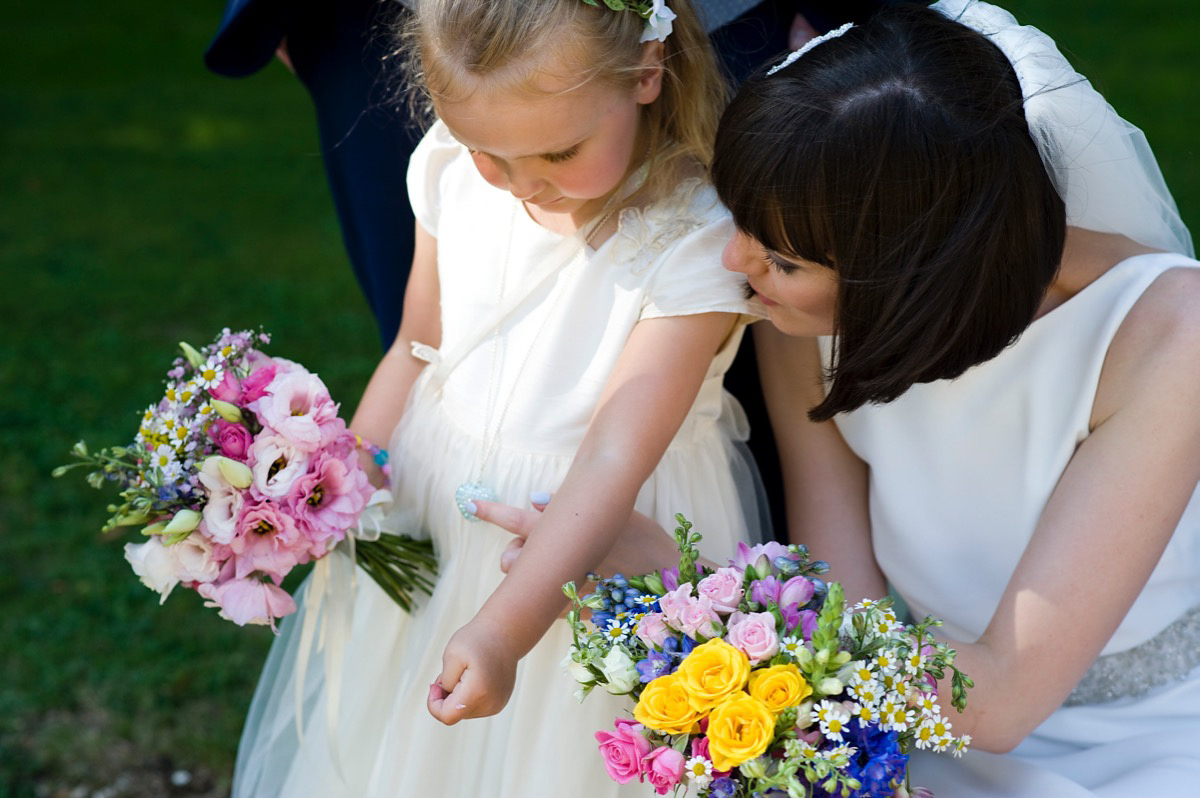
(470, 491)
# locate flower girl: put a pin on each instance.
(566, 326)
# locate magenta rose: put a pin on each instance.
(663, 768)
(754, 635)
(231, 438)
(623, 751)
(255, 386)
(723, 587)
(228, 389)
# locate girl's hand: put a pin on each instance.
(643, 545)
(478, 673)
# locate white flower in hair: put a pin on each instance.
(658, 22)
(808, 45)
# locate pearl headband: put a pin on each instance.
(808, 45)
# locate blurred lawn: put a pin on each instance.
(144, 202)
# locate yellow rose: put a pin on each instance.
(664, 706)
(779, 687)
(739, 729)
(713, 671)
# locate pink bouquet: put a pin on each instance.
(755, 680)
(241, 472)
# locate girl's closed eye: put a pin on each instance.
(781, 265)
(561, 155)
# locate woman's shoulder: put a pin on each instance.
(1157, 345)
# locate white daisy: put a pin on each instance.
(210, 374)
(791, 646)
(832, 718)
(699, 771)
(960, 745)
(615, 631)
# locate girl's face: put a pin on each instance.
(800, 296)
(561, 153)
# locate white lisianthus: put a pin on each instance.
(193, 559)
(619, 671)
(224, 505)
(154, 565)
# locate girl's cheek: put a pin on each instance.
(489, 171)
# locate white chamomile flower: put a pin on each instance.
(865, 713)
(646, 600)
(894, 716)
(841, 755)
(924, 736)
(882, 626)
(623, 617)
(163, 456)
(791, 646)
(924, 703)
(894, 683)
(615, 631)
(885, 661)
(204, 410)
(172, 472)
(867, 693)
(186, 393)
(808, 750)
(914, 663)
(210, 374)
(864, 605)
(862, 672)
(699, 771)
(941, 727)
(832, 718)
(960, 745)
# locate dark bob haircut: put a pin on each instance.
(898, 155)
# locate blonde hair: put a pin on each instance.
(451, 48)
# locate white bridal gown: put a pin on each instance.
(960, 472)
(543, 374)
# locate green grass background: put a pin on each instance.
(144, 201)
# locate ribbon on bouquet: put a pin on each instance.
(331, 589)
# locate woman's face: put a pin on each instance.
(800, 296)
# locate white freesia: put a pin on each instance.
(154, 565)
(658, 22)
(619, 671)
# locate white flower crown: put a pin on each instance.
(656, 13)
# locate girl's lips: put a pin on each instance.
(766, 300)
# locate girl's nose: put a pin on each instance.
(522, 184)
(741, 255)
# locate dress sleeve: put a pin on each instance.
(429, 172)
(685, 275)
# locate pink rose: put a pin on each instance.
(623, 751)
(267, 540)
(329, 499)
(699, 618)
(674, 602)
(652, 630)
(663, 768)
(723, 587)
(228, 389)
(250, 600)
(754, 635)
(232, 439)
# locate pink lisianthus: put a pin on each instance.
(250, 600)
(663, 768)
(652, 630)
(674, 602)
(276, 462)
(699, 618)
(754, 635)
(267, 540)
(224, 505)
(623, 751)
(723, 587)
(231, 438)
(298, 407)
(329, 499)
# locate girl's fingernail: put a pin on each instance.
(471, 507)
(539, 497)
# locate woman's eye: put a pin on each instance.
(559, 157)
(782, 266)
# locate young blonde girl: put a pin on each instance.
(566, 327)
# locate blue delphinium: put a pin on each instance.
(722, 788)
(878, 762)
(654, 665)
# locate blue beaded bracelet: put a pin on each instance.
(378, 454)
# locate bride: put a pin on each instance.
(984, 379)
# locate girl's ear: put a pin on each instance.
(649, 84)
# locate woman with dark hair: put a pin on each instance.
(983, 372)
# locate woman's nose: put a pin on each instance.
(740, 255)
